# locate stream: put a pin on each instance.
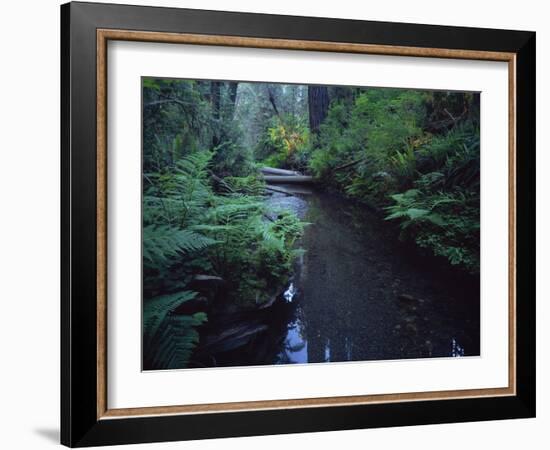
(357, 294)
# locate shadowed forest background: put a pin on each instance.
(294, 223)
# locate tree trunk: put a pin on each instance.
(233, 92)
(215, 101)
(215, 96)
(318, 106)
(232, 85)
(275, 171)
(284, 179)
(272, 100)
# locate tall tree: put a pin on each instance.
(271, 95)
(318, 106)
(232, 86)
(215, 99)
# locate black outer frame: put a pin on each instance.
(79, 423)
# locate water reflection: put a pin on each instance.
(327, 350)
(295, 345)
(456, 350)
(349, 346)
(289, 293)
(357, 294)
(360, 295)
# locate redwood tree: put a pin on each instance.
(318, 106)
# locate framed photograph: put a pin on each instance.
(276, 224)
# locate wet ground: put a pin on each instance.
(359, 294)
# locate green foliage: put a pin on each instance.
(253, 185)
(161, 242)
(403, 163)
(446, 223)
(256, 252)
(173, 201)
(439, 148)
(180, 118)
(190, 229)
(176, 119)
(231, 158)
(203, 210)
(379, 130)
(415, 153)
(285, 143)
(177, 195)
(442, 213)
(169, 338)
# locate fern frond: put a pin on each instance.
(156, 309)
(161, 242)
(168, 338)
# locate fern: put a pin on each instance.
(169, 338)
(180, 195)
(234, 208)
(251, 185)
(156, 309)
(227, 235)
(162, 242)
(445, 222)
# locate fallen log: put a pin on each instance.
(274, 171)
(205, 278)
(347, 165)
(280, 191)
(274, 179)
(232, 337)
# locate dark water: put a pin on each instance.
(357, 294)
